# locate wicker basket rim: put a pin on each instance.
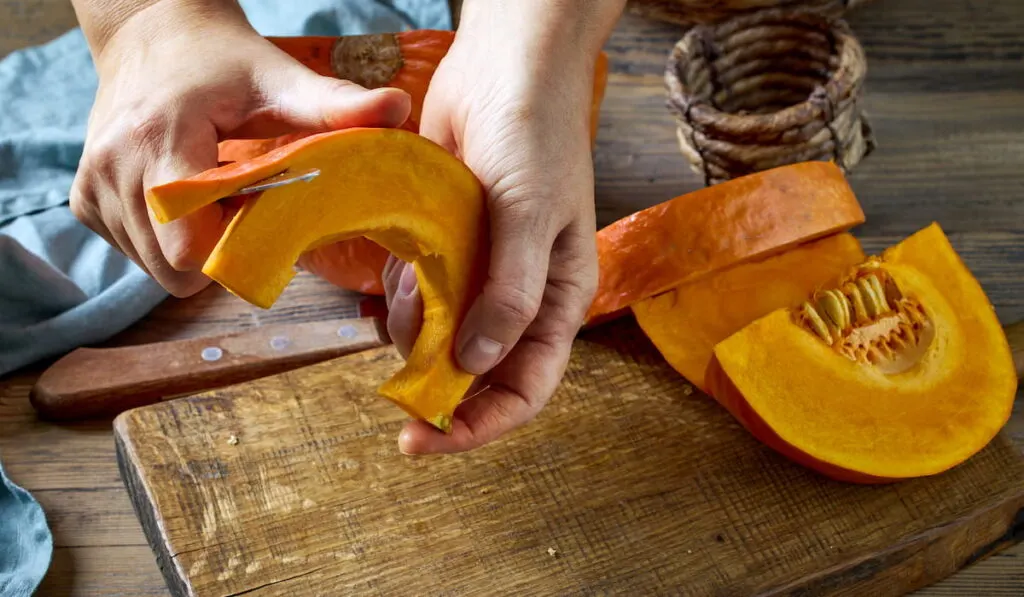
(843, 80)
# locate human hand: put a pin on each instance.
(512, 99)
(176, 78)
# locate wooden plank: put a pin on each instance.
(112, 571)
(90, 517)
(635, 482)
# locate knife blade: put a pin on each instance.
(278, 180)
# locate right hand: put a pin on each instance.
(173, 81)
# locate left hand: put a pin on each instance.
(516, 110)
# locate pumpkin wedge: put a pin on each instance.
(395, 187)
(686, 323)
(405, 60)
(901, 370)
(740, 220)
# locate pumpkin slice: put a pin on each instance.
(740, 220)
(398, 189)
(902, 370)
(687, 322)
(405, 60)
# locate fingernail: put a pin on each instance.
(404, 439)
(480, 354)
(407, 283)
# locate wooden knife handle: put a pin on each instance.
(102, 382)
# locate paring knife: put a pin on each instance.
(278, 180)
(102, 382)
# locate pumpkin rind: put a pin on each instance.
(737, 221)
(394, 187)
(687, 322)
(849, 419)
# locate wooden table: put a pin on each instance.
(945, 96)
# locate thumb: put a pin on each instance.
(300, 100)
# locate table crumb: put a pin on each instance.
(233, 440)
(552, 551)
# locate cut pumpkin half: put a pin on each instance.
(901, 370)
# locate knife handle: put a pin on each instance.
(102, 382)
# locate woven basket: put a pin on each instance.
(766, 89)
(694, 12)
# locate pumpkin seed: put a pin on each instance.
(835, 307)
(816, 324)
(871, 303)
(853, 294)
(879, 292)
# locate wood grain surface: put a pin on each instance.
(945, 92)
(629, 482)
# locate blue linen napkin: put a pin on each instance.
(61, 286)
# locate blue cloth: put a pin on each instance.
(61, 286)
(25, 541)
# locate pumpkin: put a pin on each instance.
(405, 60)
(393, 186)
(686, 323)
(900, 370)
(737, 221)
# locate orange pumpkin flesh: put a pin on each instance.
(908, 388)
(405, 60)
(744, 219)
(685, 323)
(398, 189)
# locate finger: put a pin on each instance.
(174, 252)
(389, 276)
(301, 100)
(405, 311)
(510, 400)
(84, 202)
(389, 264)
(512, 295)
(525, 381)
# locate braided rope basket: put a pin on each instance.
(692, 12)
(768, 88)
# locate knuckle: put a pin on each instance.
(175, 242)
(178, 259)
(78, 203)
(177, 251)
(514, 306)
(145, 129)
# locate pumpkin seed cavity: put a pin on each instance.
(871, 321)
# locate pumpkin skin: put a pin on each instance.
(717, 227)
(395, 187)
(939, 397)
(686, 323)
(406, 60)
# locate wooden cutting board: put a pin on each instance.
(628, 483)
